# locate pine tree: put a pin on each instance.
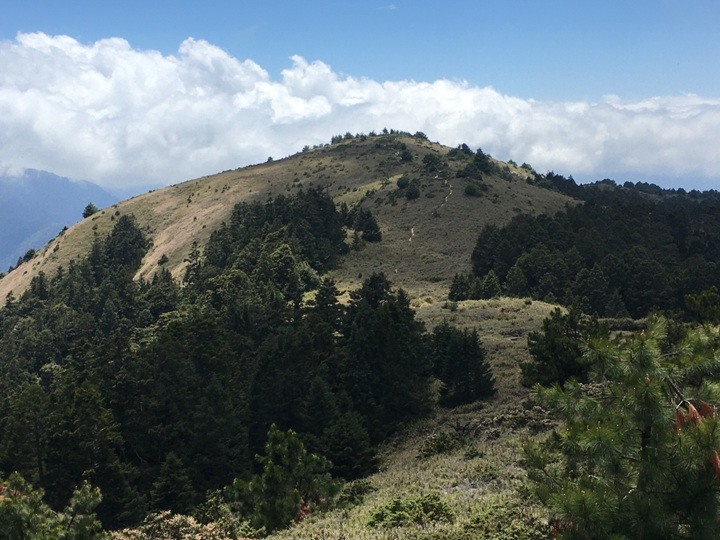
(637, 456)
(24, 514)
(459, 362)
(490, 287)
(558, 351)
(89, 210)
(347, 444)
(326, 305)
(516, 282)
(292, 481)
(173, 489)
(460, 287)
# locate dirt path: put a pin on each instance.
(445, 200)
(450, 192)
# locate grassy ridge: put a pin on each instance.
(443, 232)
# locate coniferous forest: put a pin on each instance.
(621, 251)
(161, 396)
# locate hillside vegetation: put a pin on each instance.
(625, 251)
(322, 347)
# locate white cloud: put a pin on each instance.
(125, 117)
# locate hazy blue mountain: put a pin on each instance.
(35, 206)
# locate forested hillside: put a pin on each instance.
(625, 251)
(159, 394)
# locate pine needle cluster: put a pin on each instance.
(636, 457)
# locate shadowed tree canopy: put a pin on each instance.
(622, 250)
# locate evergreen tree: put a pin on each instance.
(637, 456)
(326, 305)
(291, 483)
(490, 287)
(461, 287)
(590, 290)
(516, 282)
(346, 443)
(24, 434)
(126, 245)
(558, 351)
(89, 210)
(173, 489)
(459, 362)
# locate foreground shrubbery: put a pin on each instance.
(637, 456)
(414, 510)
(24, 514)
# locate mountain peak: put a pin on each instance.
(427, 235)
(36, 205)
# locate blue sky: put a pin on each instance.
(655, 62)
(550, 50)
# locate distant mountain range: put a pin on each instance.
(36, 205)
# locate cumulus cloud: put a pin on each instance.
(124, 117)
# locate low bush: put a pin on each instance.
(418, 510)
(502, 521)
(441, 443)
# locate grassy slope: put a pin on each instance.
(444, 234)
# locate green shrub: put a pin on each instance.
(418, 510)
(432, 162)
(413, 191)
(502, 521)
(403, 182)
(353, 493)
(472, 190)
(441, 443)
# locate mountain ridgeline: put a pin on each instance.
(159, 394)
(415, 190)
